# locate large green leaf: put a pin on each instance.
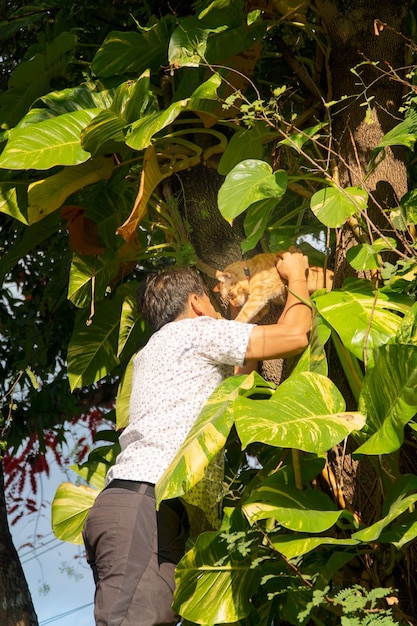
(133, 53)
(307, 511)
(206, 438)
(247, 183)
(133, 333)
(123, 397)
(357, 316)
(92, 351)
(49, 194)
(294, 546)
(404, 499)
(389, 398)
(144, 129)
(333, 206)
(90, 277)
(49, 143)
(70, 508)
(306, 412)
(214, 586)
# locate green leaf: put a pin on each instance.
(306, 511)
(188, 43)
(294, 546)
(206, 438)
(314, 359)
(298, 139)
(92, 351)
(306, 412)
(255, 223)
(123, 396)
(333, 206)
(133, 53)
(246, 143)
(47, 195)
(214, 587)
(389, 398)
(403, 501)
(70, 508)
(47, 144)
(144, 129)
(407, 331)
(357, 316)
(88, 269)
(247, 183)
(133, 333)
(9, 202)
(366, 256)
(404, 134)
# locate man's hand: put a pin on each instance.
(293, 265)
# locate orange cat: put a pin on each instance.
(252, 284)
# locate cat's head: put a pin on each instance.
(233, 291)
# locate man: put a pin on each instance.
(133, 550)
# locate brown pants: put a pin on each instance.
(133, 550)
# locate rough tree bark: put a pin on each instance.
(16, 608)
(366, 35)
(367, 32)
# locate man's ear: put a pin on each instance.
(196, 305)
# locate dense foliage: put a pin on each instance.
(98, 148)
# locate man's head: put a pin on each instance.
(166, 296)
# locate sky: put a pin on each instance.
(51, 563)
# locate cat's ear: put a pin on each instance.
(222, 277)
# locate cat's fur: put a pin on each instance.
(252, 292)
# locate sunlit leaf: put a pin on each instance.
(206, 438)
(212, 586)
(366, 256)
(247, 183)
(49, 194)
(306, 511)
(333, 206)
(49, 143)
(359, 318)
(306, 412)
(389, 398)
(9, 203)
(89, 277)
(70, 508)
(294, 546)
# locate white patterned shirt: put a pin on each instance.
(173, 377)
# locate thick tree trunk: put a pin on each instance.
(366, 37)
(16, 608)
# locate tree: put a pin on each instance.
(287, 118)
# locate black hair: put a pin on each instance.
(164, 296)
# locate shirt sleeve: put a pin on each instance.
(222, 341)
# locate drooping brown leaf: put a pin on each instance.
(83, 236)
